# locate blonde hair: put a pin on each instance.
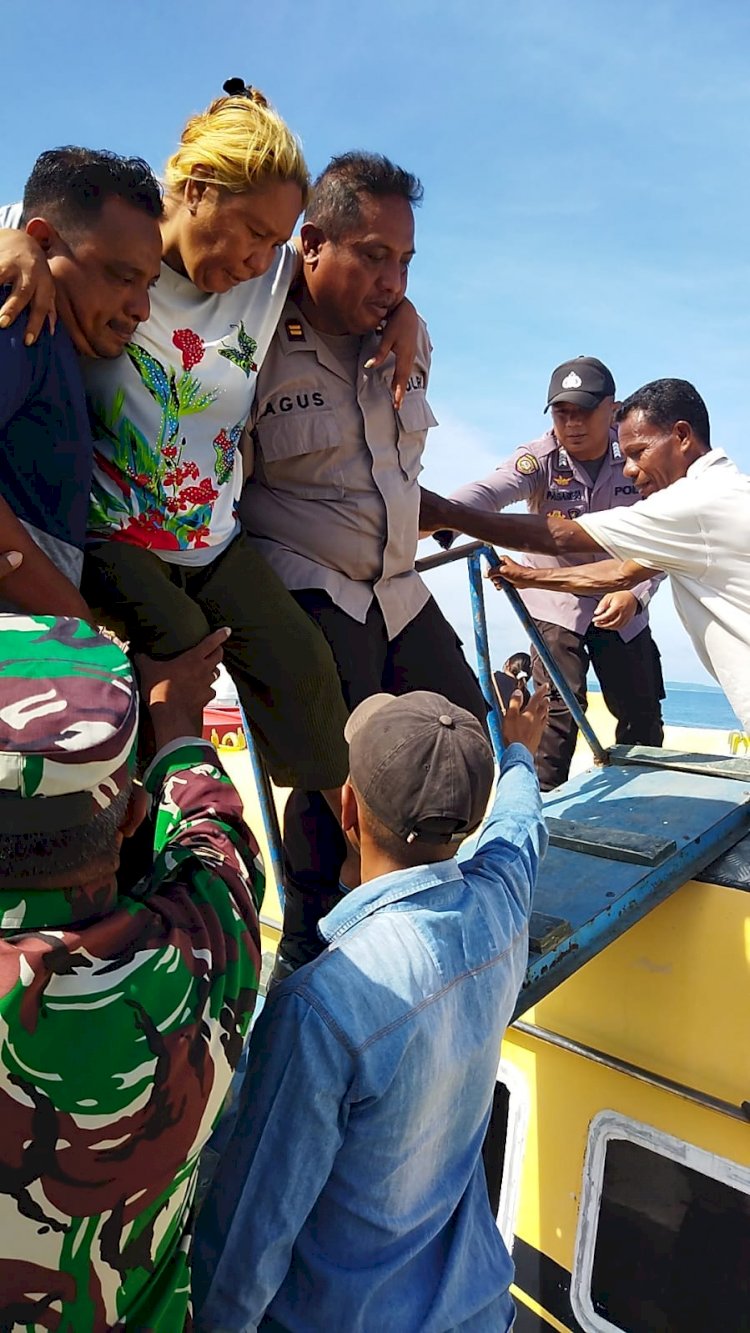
(241, 143)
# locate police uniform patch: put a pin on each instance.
(527, 464)
(562, 481)
(294, 331)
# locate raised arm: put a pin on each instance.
(201, 837)
(25, 270)
(400, 336)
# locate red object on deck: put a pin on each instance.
(224, 721)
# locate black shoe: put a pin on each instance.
(282, 969)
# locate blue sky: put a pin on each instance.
(585, 168)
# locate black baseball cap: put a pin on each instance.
(584, 381)
(423, 766)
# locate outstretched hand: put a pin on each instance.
(400, 337)
(525, 726)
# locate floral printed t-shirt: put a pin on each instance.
(168, 414)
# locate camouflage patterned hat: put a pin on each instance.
(68, 723)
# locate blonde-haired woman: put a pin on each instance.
(167, 562)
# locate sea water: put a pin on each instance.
(694, 706)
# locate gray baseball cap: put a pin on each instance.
(423, 766)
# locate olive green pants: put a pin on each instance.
(278, 658)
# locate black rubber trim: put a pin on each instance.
(546, 1281)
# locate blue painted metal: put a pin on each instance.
(704, 814)
(267, 808)
(481, 640)
(553, 670)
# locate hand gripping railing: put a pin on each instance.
(473, 553)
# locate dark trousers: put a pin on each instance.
(280, 663)
(426, 655)
(631, 681)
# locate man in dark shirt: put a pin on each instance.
(96, 217)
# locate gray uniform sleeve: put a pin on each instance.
(501, 488)
(645, 591)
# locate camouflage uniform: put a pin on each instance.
(122, 1016)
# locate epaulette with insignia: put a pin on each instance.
(294, 331)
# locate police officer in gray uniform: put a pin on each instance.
(333, 501)
(577, 468)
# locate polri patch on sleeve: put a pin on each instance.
(527, 464)
(294, 331)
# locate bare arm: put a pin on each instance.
(37, 586)
(522, 532)
(24, 268)
(581, 580)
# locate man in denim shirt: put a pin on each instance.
(352, 1194)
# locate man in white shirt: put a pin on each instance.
(692, 524)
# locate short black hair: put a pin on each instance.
(334, 197)
(69, 186)
(519, 664)
(663, 402)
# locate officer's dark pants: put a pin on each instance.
(426, 655)
(632, 685)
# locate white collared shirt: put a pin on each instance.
(698, 532)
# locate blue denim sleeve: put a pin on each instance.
(290, 1125)
(514, 838)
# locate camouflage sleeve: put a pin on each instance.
(199, 818)
(119, 1035)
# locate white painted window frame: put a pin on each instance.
(606, 1126)
(519, 1110)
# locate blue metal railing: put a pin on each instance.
(473, 553)
(267, 806)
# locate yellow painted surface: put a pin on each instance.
(567, 1091)
(237, 765)
(672, 993)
